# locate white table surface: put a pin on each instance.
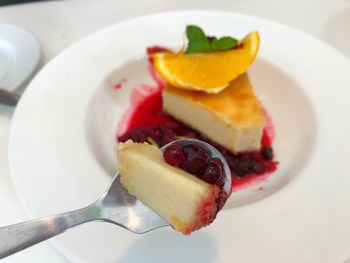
(57, 24)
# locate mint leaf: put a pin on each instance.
(199, 42)
(223, 43)
(197, 46)
(194, 33)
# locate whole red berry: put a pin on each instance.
(173, 155)
(267, 153)
(196, 158)
(214, 173)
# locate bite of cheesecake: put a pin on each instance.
(184, 200)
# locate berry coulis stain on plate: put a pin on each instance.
(145, 119)
(145, 108)
(119, 84)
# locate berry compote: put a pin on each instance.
(146, 121)
(199, 161)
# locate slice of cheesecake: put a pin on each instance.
(232, 118)
(180, 198)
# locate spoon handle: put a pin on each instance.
(17, 237)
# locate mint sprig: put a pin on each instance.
(198, 42)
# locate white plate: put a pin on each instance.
(19, 56)
(62, 140)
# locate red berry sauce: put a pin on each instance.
(120, 84)
(198, 160)
(145, 119)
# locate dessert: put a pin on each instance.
(188, 197)
(159, 115)
(203, 92)
(234, 112)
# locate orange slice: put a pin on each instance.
(210, 72)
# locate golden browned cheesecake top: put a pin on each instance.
(237, 105)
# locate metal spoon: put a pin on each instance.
(114, 206)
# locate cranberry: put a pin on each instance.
(232, 161)
(173, 155)
(175, 127)
(260, 168)
(196, 158)
(221, 199)
(267, 153)
(137, 135)
(162, 135)
(244, 166)
(214, 173)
